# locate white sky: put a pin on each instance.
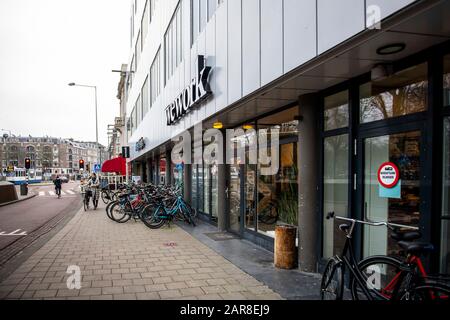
(46, 44)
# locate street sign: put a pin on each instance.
(97, 168)
(388, 175)
(126, 152)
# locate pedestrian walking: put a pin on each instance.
(58, 186)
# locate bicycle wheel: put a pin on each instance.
(428, 292)
(381, 275)
(119, 214)
(105, 197)
(332, 286)
(151, 218)
(108, 212)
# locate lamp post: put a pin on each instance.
(72, 84)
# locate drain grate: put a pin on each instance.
(221, 236)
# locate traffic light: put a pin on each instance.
(81, 164)
(27, 163)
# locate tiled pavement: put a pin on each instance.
(129, 261)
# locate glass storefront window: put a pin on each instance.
(162, 171)
(194, 189)
(406, 92)
(336, 111)
(278, 194)
(335, 192)
(178, 176)
(445, 244)
(214, 193)
(286, 121)
(447, 80)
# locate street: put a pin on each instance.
(24, 220)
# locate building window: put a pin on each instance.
(173, 44)
(138, 108)
(212, 6)
(336, 114)
(406, 92)
(335, 191)
(152, 9)
(133, 120)
(201, 12)
(145, 23)
(138, 49)
(155, 78)
(145, 98)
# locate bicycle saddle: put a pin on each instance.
(406, 236)
(416, 248)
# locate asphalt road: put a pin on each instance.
(19, 220)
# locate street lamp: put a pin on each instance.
(73, 84)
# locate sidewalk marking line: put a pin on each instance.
(70, 192)
(52, 193)
(41, 194)
(63, 193)
(14, 233)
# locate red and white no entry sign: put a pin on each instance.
(388, 175)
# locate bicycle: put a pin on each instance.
(86, 194)
(399, 275)
(332, 285)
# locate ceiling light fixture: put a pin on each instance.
(392, 48)
(218, 125)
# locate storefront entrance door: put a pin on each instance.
(392, 187)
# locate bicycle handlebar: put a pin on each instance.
(392, 226)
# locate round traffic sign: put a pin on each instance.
(388, 175)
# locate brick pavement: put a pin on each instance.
(129, 261)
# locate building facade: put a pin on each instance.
(349, 85)
(48, 155)
(117, 133)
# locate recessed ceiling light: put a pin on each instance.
(392, 48)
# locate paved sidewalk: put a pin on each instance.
(129, 261)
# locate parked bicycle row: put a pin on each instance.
(154, 205)
(383, 277)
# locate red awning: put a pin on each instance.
(117, 165)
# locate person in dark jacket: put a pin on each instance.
(58, 186)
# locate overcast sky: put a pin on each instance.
(44, 45)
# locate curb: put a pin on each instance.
(17, 201)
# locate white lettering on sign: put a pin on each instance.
(388, 175)
(193, 95)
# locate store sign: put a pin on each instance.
(193, 95)
(126, 152)
(388, 175)
(140, 145)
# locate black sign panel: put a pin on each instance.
(126, 152)
(193, 95)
